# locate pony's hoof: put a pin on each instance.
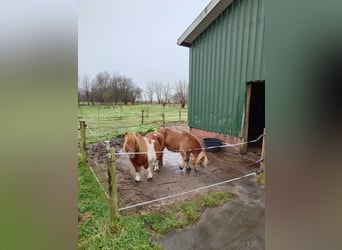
(180, 167)
(196, 170)
(149, 179)
(188, 169)
(137, 181)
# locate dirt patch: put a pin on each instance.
(171, 180)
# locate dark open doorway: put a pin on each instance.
(256, 111)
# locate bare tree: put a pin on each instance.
(158, 89)
(100, 87)
(129, 92)
(105, 91)
(166, 90)
(149, 91)
(136, 94)
(108, 88)
(181, 95)
(114, 87)
(85, 81)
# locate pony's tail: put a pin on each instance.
(202, 159)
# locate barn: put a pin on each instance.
(227, 71)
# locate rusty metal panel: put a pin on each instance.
(227, 55)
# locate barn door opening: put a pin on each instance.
(255, 112)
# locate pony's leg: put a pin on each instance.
(185, 162)
(160, 160)
(137, 173)
(188, 167)
(149, 173)
(156, 165)
(137, 176)
(194, 161)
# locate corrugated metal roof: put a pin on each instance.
(205, 18)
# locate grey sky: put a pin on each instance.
(135, 38)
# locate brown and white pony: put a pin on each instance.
(185, 143)
(143, 151)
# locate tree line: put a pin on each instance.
(108, 88)
(116, 88)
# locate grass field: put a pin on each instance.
(129, 231)
(107, 121)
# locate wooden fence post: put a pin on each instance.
(142, 116)
(163, 115)
(180, 114)
(262, 165)
(83, 141)
(113, 192)
(120, 112)
(263, 162)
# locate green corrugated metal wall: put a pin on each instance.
(227, 55)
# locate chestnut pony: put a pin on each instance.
(147, 151)
(185, 143)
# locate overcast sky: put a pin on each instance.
(137, 39)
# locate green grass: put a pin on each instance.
(131, 231)
(107, 122)
(261, 179)
(183, 214)
(97, 232)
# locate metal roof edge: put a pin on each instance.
(202, 21)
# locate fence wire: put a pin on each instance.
(191, 191)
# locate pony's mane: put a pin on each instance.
(142, 147)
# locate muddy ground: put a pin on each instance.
(248, 203)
